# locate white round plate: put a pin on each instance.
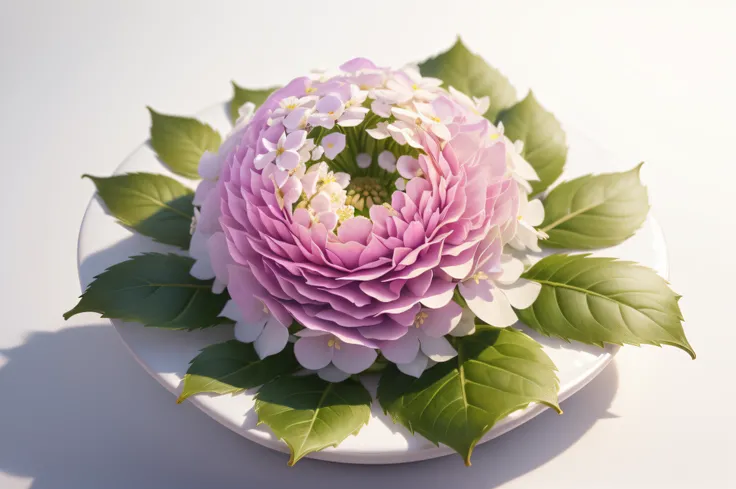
(166, 354)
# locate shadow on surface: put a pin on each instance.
(78, 412)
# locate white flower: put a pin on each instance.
(245, 114)
(531, 214)
(285, 152)
(254, 323)
(410, 84)
(316, 350)
(402, 132)
(380, 131)
(466, 325)
(477, 106)
(426, 340)
(434, 117)
(289, 105)
(354, 111)
(319, 177)
(491, 293)
(328, 110)
(520, 169)
(333, 144)
(309, 151)
(322, 209)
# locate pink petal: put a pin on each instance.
(489, 304)
(272, 340)
(355, 229)
(437, 349)
(441, 131)
(403, 350)
(416, 367)
(314, 352)
(294, 119)
(295, 140)
(441, 321)
(329, 219)
(439, 294)
(522, 293)
(407, 166)
(329, 103)
(353, 359)
(357, 64)
(288, 160)
(332, 374)
(242, 285)
(333, 144)
(219, 256)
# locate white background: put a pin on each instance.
(652, 81)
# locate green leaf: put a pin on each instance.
(233, 366)
(595, 211)
(496, 372)
(544, 140)
(242, 95)
(470, 74)
(155, 290)
(604, 300)
(180, 141)
(154, 205)
(310, 414)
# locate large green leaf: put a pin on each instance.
(242, 95)
(469, 73)
(544, 140)
(180, 141)
(496, 372)
(604, 300)
(595, 211)
(155, 290)
(310, 414)
(154, 205)
(233, 366)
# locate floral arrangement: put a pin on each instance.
(378, 221)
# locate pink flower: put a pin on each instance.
(315, 350)
(333, 144)
(285, 152)
(328, 110)
(379, 274)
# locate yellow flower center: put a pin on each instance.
(421, 317)
(280, 151)
(391, 210)
(334, 343)
(479, 276)
(415, 86)
(345, 212)
(310, 90)
(329, 178)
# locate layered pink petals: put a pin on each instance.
(363, 282)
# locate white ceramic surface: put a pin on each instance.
(166, 354)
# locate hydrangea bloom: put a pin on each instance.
(372, 208)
